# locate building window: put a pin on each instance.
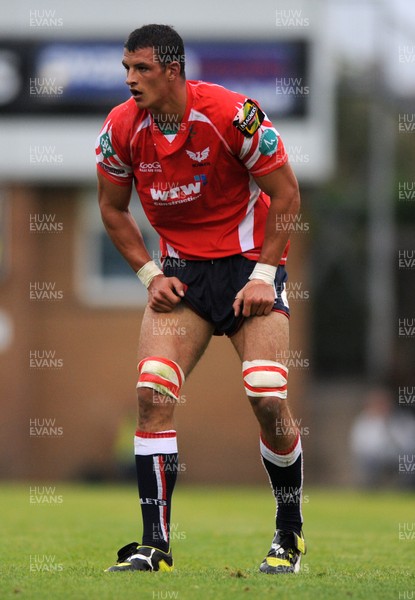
(103, 277)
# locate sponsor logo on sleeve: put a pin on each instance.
(268, 143)
(112, 170)
(249, 118)
(106, 146)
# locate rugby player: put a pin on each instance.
(213, 178)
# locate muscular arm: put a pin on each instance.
(257, 297)
(282, 187)
(121, 227)
(163, 292)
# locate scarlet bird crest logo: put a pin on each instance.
(199, 156)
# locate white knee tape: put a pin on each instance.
(265, 378)
(161, 374)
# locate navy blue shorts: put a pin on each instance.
(213, 285)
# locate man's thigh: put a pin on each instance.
(181, 336)
(263, 338)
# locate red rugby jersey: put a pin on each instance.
(198, 190)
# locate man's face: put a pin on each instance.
(147, 78)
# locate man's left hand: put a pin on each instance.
(256, 298)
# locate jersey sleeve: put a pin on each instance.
(112, 150)
(255, 140)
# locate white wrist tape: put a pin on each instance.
(265, 272)
(147, 273)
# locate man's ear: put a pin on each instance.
(173, 70)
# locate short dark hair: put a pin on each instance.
(166, 42)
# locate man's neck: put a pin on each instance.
(169, 116)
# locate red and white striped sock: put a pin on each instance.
(285, 471)
(156, 465)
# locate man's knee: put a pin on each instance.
(158, 377)
(158, 389)
(151, 402)
(268, 409)
(264, 379)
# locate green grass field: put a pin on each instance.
(359, 545)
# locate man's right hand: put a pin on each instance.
(165, 292)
